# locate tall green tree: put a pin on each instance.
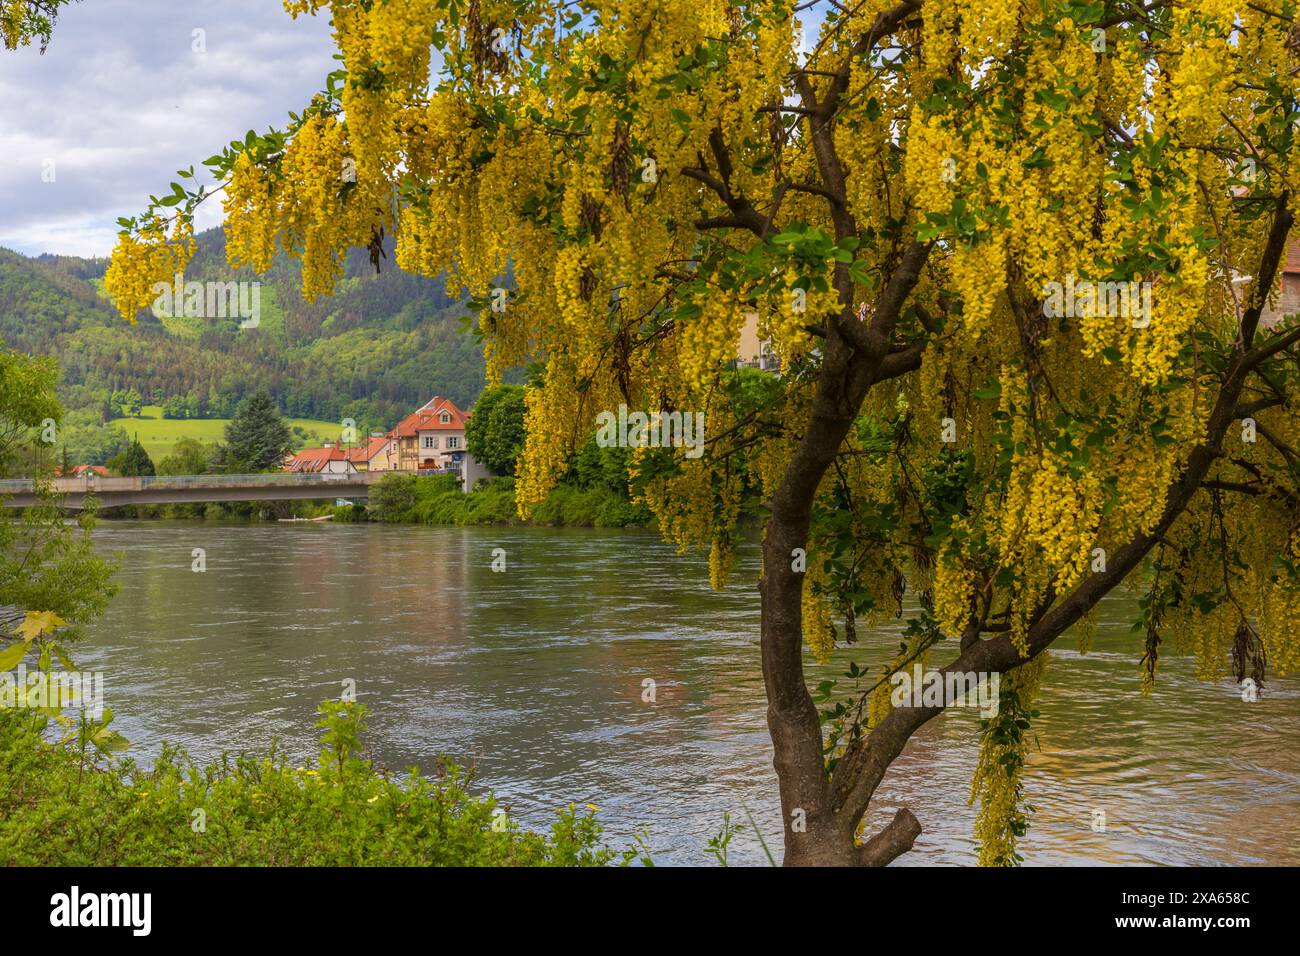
(495, 433)
(257, 437)
(46, 562)
(27, 402)
(189, 456)
(134, 462)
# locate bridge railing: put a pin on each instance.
(242, 481)
(15, 486)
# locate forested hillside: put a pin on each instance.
(384, 344)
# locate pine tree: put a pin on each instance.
(134, 462)
(257, 437)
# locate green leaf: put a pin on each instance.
(62, 656)
(111, 740)
(11, 655)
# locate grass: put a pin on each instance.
(159, 435)
(270, 319)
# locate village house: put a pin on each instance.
(755, 352)
(378, 453)
(83, 471)
(328, 459)
(431, 437)
(1287, 301)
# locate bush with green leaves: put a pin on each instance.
(76, 802)
(392, 497)
(438, 500)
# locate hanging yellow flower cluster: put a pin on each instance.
(818, 621)
(1280, 613)
(142, 261)
(954, 586)
(251, 233)
(15, 24)
(998, 782)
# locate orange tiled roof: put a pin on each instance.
(313, 460)
(429, 418)
(373, 446)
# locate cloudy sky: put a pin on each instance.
(121, 100)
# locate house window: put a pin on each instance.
(445, 417)
(452, 441)
(430, 441)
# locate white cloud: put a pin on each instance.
(120, 101)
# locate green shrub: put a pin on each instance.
(491, 504)
(617, 512)
(392, 498)
(74, 803)
(438, 500)
(350, 513)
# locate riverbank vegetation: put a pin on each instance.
(75, 802)
(47, 563)
(438, 500)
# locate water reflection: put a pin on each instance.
(535, 676)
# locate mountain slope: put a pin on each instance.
(379, 347)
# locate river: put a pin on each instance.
(534, 675)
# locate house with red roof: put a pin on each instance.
(378, 453)
(433, 436)
(83, 471)
(329, 459)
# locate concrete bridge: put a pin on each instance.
(188, 489)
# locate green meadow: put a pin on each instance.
(159, 434)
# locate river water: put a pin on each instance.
(534, 675)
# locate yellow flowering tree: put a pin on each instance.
(23, 22)
(1015, 259)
